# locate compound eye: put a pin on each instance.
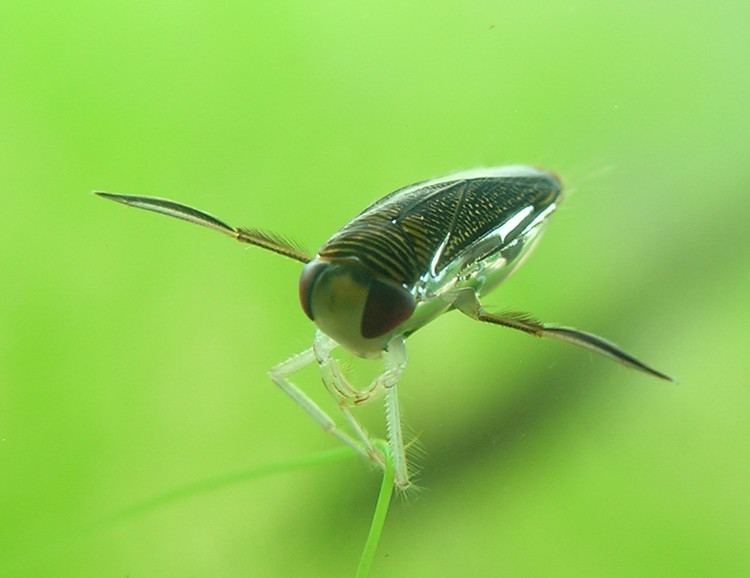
(386, 307)
(307, 279)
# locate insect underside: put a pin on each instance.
(415, 254)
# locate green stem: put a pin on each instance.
(63, 543)
(226, 480)
(378, 518)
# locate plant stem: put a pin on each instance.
(378, 518)
(223, 481)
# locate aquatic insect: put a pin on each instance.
(418, 252)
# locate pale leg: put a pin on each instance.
(342, 391)
(280, 376)
(395, 362)
(335, 379)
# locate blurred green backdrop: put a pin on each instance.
(134, 350)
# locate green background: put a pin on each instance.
(134, 349)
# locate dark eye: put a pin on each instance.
(386, 307)
(306, 281)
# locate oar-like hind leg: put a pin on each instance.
(270, 241)
(468, 303)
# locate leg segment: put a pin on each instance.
(342, 391)
(468, 303)
(280, 376)
(336, 383)
(347, 396)
(395, 362)
(334, 378)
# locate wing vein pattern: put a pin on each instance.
(399, 236)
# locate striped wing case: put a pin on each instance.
(423, 227)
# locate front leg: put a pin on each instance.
(394, 358)
(468, 303)
(395, 363)
(280, 376)
(335, 379)
(341, 391)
